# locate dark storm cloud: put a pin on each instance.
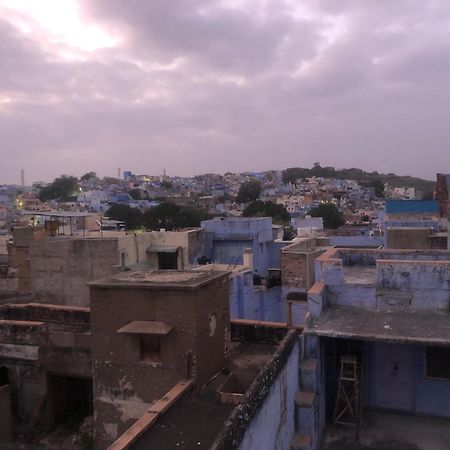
(204, 86)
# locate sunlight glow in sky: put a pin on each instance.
(60, 20)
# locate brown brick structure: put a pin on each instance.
(151, 330)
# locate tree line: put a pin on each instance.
(167, 215)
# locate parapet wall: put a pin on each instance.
(386, 279)
(265, 417)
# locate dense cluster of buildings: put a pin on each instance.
(226, 336)
(211, 192)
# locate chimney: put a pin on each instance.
(248, 258)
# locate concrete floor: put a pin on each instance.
(390, 431)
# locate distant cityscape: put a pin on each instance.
(296, 191)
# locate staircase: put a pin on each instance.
(306, 404)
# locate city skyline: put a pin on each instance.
(212, 87)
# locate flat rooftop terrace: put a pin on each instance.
(159, 279)
(392, 431)
(387, 326)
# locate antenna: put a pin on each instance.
(22, 177)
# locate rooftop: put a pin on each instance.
(220, 411)
(159, 279)
(411, 206)
(195, 420)
(387, 326)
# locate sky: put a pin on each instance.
(195, 86)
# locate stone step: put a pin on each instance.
(305, 398)
(305, 412)
(309, 375)
(310, 345)
(301, 441)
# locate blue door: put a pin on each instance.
(393, 377)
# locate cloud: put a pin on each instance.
(204, 86)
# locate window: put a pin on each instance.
(167, 261)
(150, 348)
(438, 362)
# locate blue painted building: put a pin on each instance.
(228, 237)
(412, 213)
(390, 311)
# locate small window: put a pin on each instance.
(438, 362)
(150, 348)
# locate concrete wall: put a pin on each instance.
(432, 396)
(5, 414)
(408, 238)
(60, 268)
(298, 269)
(36, 340)
(192, 246)
(266, 304)
(425, 285)
(411, 223)
(356, 241)
(273, 426)
(230, 236)
(429, 396)
(241, 291)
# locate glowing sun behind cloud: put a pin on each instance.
(58, 22)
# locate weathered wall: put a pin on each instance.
(265, 418)
(61, 268)
(298, 265)
(265, 304)
(125, 385)
(432, 396)
(429, 396)
(356, 241)
(241, 290)
(5, 414)
(36, 339)
(273, 426)
(408, 238)
(230, 236)
(132, 248)
(419, 285)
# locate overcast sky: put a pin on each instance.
(198, 86)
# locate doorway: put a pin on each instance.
(393, 377)
(70, 398)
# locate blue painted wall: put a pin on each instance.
(430, 396)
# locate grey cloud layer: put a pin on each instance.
(200, 87)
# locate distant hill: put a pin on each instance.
(292, 174)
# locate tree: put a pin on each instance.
(132, 217)
(166, 184)
(249, 191)
(289, 233)
(171, 216)
(259, 208)
(61, 188)
(135, 194)
(88, 176)
(162, 216)
(332, 217)
(378, 186)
